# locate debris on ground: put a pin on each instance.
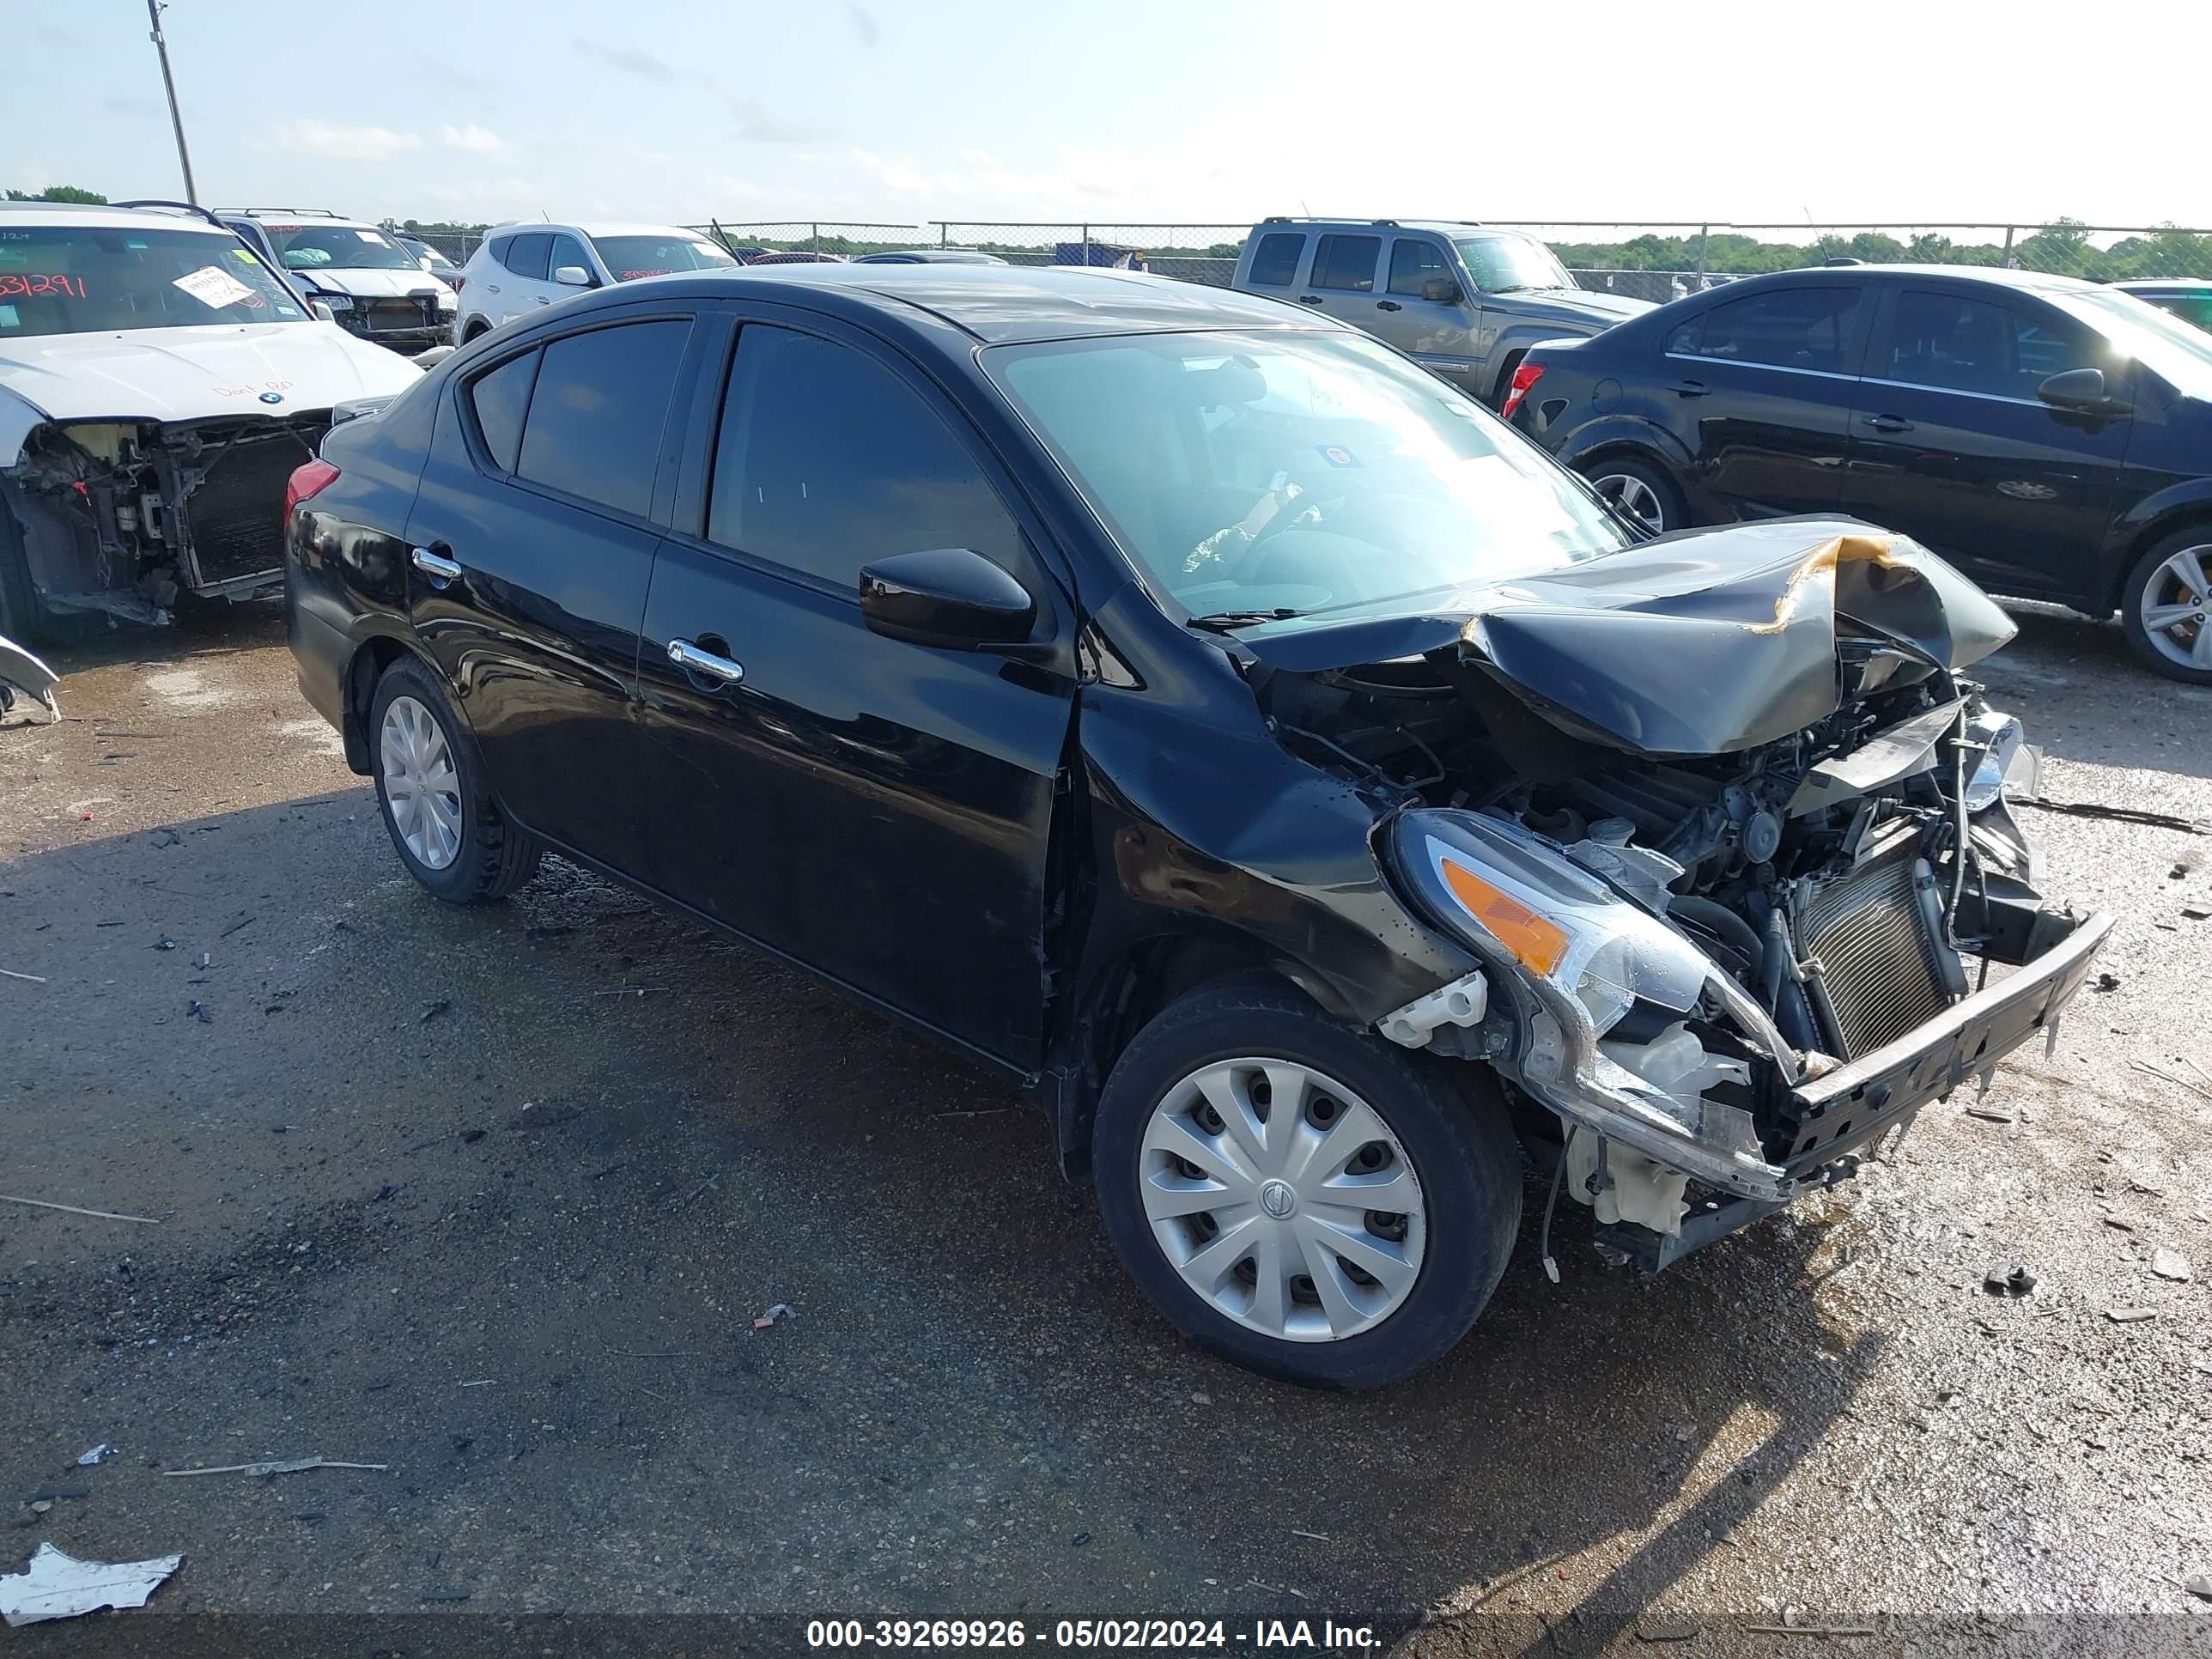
(165, 943)
(2017, 1282)
(2175, 1078)
(781, 1310)
(2171, 1264)
(2084, 809)
(2116, 1222)
(2129, 1315)
(2108, 981)
(200, 1012)
(207, 960)
(280, 1465)
(71, 1209)
(436, 1009)
(2197, 912)
(103, 1450)
(1668, 1630)
(1987, 1115)
(59, 1586)
(241, 920)
(2199, 1583)
(34, 979)
(2179, 872)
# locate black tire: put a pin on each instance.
(1462, 1153)
(493, 857)
(2135, 596)
(475, 331)
(1669, 512)
(24, 616)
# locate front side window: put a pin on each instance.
(337, 248)
(826, 462)
(1275, 261)
(1966, 345)
(1295, 471)
(1346, 262)
(530, 255)
(632, 257)
(1808, 328)
(73, 279)
(597, 412)
(567, 251)
(1414, 263)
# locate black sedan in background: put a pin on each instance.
(2051, 438)
(1194, 709)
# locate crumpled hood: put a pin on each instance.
(1701, 642)
(371, 282)
(189, 374)
(1568, 305)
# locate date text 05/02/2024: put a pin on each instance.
(1129, 1635)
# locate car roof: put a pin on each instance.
(1996, 276)
(110, 218)
(2163, 284)
(297, 216)
(597, 227)
(997, 305)
(1442, 227)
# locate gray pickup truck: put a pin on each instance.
(1464, 301)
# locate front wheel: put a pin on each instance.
(2166, 607)
(1300, 1198)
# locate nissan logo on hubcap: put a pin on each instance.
(1277, 1198)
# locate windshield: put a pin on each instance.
(1272, 473)
(337, 248)
(74, 279)
(1501, 263)
(632, 257)
(2162, 342)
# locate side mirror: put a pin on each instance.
(2081, 391)
(950, 597)
(1442, 290)
(572, 277)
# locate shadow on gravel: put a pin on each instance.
(2084, 696)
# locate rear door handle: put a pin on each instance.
(1308, 298)
(437, 568)
(1388, 305)
(1889, 422)
(684, 654)
(1689, 388)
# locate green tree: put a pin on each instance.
(60, 194)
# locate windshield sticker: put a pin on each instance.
(245, 255)
(1337, 455)
(31, 286)
(632, 276)
(372, 238)
(7, 318)
(212, 286)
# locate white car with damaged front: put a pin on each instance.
(159, 382)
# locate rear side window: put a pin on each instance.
(526, 255)
(827, 462)
(1787, 328)
(597, 410)
(502, 399)
(1414, 262)
(1965, 344)
(1346, 262)
(1275, 261)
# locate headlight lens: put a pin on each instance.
(335, 302)
(2000, 736)
(446, 301)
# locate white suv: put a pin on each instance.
(518, 268)
(371, 284)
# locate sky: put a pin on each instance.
(1126, 112)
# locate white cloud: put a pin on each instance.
(477, 141)
(345, 143)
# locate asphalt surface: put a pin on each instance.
(493, 1198)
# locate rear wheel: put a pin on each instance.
(443, 822)
(1639, 489)
(1303, 1198)
(2166, 607)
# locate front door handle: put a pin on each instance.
(1388, 305)
(1689, 388)
(439, 569)
(1889, 422)
(1308, 298)
(684, 654)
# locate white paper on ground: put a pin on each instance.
(58, 1586)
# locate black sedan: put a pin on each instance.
(1302, 785)
(2051, 438)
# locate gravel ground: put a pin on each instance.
(433, 1189)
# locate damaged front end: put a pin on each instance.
(1727, 831)
(120, 516)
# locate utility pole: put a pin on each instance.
(176, 115)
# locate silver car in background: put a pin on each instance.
(1464, 301)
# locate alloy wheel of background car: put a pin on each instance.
(2167, 609)
(1244, 1124)
(1282, 1199)
(1634, 494)
(421, 787)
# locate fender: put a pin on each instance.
(2155, 515)
(1622, 429)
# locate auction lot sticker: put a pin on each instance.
(213, 287)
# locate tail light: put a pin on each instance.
(456, 281)
(306, 483)
(1525, 375)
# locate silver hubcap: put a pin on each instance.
(1282, 1199)
(1634, 497)
(2176, 608)
(422, 791)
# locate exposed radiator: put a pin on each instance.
(236, 515)
(1867, 932)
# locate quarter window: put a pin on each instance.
(1413, 262)
(826, 462)
(1964, 344)
(1346, 262)
(1787, 328)
(1275, 261)
(598, 410)
(502, 399)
